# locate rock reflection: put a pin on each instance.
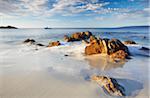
(103, 62)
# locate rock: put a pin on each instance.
(38, 44)
(66, 55)
(129, 42)
(105, 46)
(51, 44)
(78, 36)
(144, 48)
(119, 55)
(31, 41)
(93, 48)
(85, 41)
(115, 45)
(66, 38)
(92, 38)
(110, 85)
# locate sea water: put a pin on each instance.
(22, 66)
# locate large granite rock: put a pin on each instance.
(110, 85)
(78, 36)
(51, 44)
(106, 46)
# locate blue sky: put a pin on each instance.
(74, 13)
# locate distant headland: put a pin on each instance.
(8, 27)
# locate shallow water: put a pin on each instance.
(26, 72)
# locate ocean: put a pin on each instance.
(22, 67)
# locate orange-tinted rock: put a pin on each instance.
(92, 38)
(119, 55)
(129, 42)
(78, 36)
(51, 44)
(93, 48)
(105, 46)
(110, 85)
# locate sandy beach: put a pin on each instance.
(29, 73)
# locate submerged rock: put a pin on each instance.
(51, 44)
(144, 48)
(110, 85)
(129, 42)
(78, 36)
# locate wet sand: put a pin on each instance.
(27, 73)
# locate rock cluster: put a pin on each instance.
(112, 47)
(33, 42)
(51, 44)
(78, 36)
(110, 85)
(129, 42)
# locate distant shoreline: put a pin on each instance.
(8, 27)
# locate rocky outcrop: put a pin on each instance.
(110, 85)
(107, 46)
(51, 44)
(78, 36)
(31, 41)
(129, 42)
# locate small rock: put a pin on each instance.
(51, 44)
(31, 41)
(144, 48)
(40, 44)
(66, 55)
(129, 42)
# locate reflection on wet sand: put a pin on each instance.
(103, 62)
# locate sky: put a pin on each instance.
(74, 13)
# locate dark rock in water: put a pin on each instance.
(78, 36)
(129, 42)
(51, 44)
(106, 46)
(31, 41)
(110, 85)
(40, 44)
(144, 48)
(66, 55)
